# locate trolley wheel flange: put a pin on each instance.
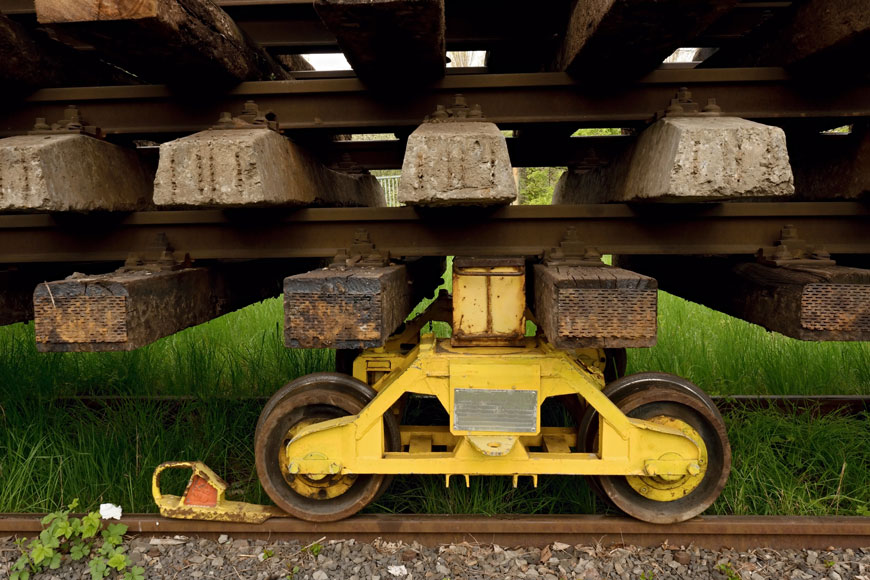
(307, 400)
(676, 403)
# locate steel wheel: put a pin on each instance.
(300, 403)
(677, 403)
(619, 391)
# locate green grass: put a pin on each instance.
(50, 453)
(727, 356)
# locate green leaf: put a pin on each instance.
(64, 529)
(15, 576)
(40, 553)
(136, 573)
(49, 518)
(55, 562)
(21, 563)
(90, 525)
(79, 551)
(118, 562)
(98, 568)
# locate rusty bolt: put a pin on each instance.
(225, 117)
(41, 125)
(712, 107)
(781, 252)
(789, 232)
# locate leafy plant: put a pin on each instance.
(728, 570)
(315, 549)
(77, 539)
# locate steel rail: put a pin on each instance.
(712, 532)
(717, 228)
(812, 404)
(511, 100)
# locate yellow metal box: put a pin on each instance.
(489, 301)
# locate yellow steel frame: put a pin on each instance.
(355, 444)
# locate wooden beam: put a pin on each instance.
(128, 309)
(629, 38)
(595, 306)
(829, 37)
(345, 308)
(389, 42)
(190, 43)
(805, 301)
(30, 60)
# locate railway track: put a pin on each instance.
(711, 532)
(815, 404)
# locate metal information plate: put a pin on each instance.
(495, 410)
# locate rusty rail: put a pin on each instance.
(714, 228)
(713, 532)
(510, 100)
(813, 404)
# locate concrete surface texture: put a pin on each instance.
(71, 173)
(689, 159)
(457, 163)
(252, 167)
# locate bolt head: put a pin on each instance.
(293, 468)
(694, 469)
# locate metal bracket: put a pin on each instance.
(362, 252)
(682, 105)
(71, 123)
(571, 251)
(459, 111)
(250, 118)
(159, 256)
(790, 250)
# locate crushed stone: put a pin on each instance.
(228, 558)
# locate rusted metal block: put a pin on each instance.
(821, 303)
(119, 311)
(489, 301)
(356, 307)
(802, 300)
(595, 306)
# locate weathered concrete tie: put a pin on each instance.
(457, 157)
(689, 159)
(253, 166)
(71, 172)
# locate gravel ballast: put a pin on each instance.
(181, 557)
